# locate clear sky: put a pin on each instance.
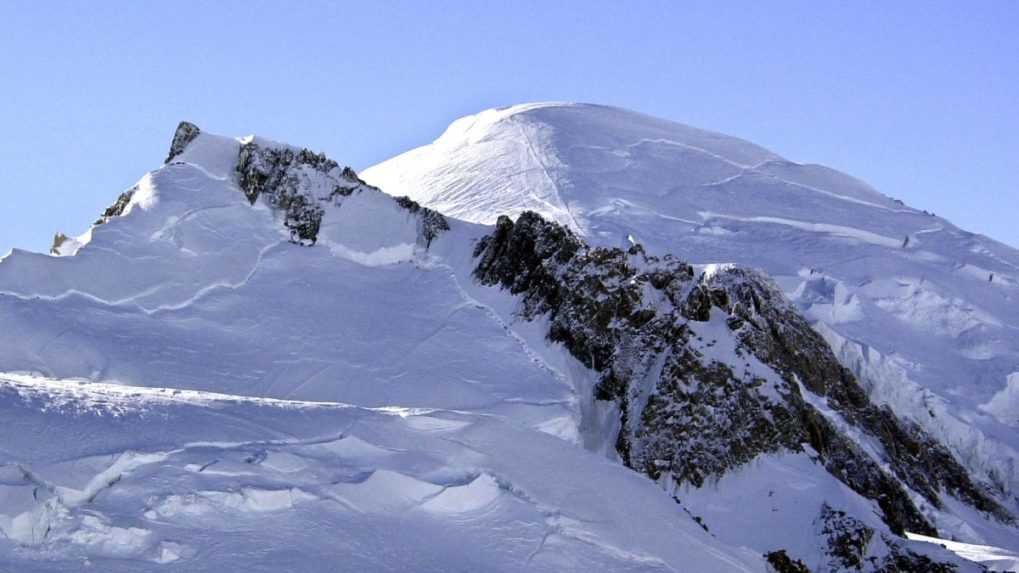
(921, 99)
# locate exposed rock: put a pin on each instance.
(687, 417)
(185, 134)
(780, 562)
(118, 207)
(846, 539)
(432, 223)
(282, 176)
(302, 184)
(905, 561)
(769, 327)
(58, 240)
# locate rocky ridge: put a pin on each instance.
(688, 418)
(298, 183)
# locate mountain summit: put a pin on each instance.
(257, 360)
(924, 313)
(579, 163)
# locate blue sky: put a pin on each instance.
(921, 99)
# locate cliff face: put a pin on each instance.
(694, 409)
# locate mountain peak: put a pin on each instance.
(567, 161)
(601, 121)
(912, 304)
(185, 133)
(359, 363)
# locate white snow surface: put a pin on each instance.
(189, 391)
(926, 314)
(186, 390)
(994, 558)
(97, 476)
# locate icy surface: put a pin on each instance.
(95, 475)
(189, 390)
(184, 388)
(926, 314)
(994, 558)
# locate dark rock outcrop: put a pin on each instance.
(845, 539)
(768, 326)
(780, 562)
(186, 133)
(58, 240)
(302, 185)
(277, 174)
(118, 207)
(687, 417)
(432, 223)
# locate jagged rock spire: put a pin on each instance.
(185, 134)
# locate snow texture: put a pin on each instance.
(195, 388)
(922, 312)
(256, 361)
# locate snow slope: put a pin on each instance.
(193, 391)
(924, 313)
(254, 361)
(125, 480)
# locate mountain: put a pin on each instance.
(195, 387)
(256, 361)
(923, 313)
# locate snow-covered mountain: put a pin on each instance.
(925, 314)
(255, 361)
(196, 389)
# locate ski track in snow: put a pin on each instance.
(563, 206)
(824, 228)
(809, 188)
(498, 320)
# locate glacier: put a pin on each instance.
(923, 312)
(256, 360)
(190, 390)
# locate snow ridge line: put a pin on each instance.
(745, 169)
(221, 285)
(130, 300)
(498, 320)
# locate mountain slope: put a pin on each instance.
(254, 359)
(922, 312)
(193, 481)
(197, 388)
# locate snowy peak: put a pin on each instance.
(361, 368)
(302, 188)
(922, 313)
(607, 123)
(578, 163)
(215, 367)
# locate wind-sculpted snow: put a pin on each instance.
(196, 388)
(256, 361)
(923, 313)
(184, 481)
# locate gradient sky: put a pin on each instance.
(920, 99)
